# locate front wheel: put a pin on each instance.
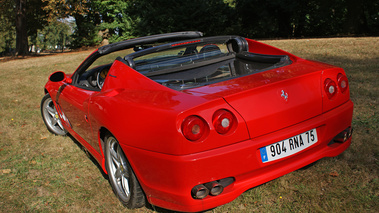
(50, 116)
(121, 176)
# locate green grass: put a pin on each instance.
(46, 173)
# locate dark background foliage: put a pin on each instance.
(26, 23)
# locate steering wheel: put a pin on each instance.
(92, 81)
(101, 77)
(99, 82)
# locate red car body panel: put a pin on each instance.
(240, 160)
(146, 118)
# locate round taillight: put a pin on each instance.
(224, 121)
(330, 88)
(194, 128)
(342, 82)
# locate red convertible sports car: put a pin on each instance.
(188, 123)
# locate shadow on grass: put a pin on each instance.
(94, 161)
(161, 210)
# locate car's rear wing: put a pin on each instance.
(168, 37)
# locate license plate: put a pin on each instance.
(288, 146)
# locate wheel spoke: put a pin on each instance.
(118, 154)
(121, 156)
(116, 162)
(53, 122)
(60, 123)
(117, 174)
(51, 111)
(49, 118)
(115, 159)
(125, 185)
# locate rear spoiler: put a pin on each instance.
(168, 37)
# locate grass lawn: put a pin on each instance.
(43, 172)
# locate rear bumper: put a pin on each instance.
(167, 180)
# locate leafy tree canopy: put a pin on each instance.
(98, 21)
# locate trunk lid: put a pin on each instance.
(274, 99)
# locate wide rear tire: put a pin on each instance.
(121, 176)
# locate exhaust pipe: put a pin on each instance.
(199, 192)
(344, 135)
(214, 187)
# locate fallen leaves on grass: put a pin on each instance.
(6, 171)
(334, 174)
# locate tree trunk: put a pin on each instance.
(63, 42)
(355, 23)
(284, 24)
(21, 28)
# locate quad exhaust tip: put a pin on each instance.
(344, 135)
(199, 192)
(212, 188)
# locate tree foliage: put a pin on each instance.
(54, 36)
(116, 24)
(65, 8)
(7, 28)
(86, 18)
(114, 20)
(151, 17)
(299, 18)
(27, 16)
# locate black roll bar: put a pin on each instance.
(148, 40)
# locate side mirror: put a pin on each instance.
(59, 76)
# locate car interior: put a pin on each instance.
(188, 64)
